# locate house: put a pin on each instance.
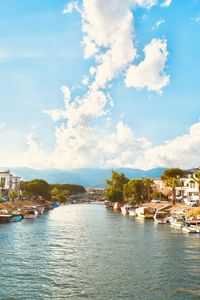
(8, 183)
(160, 186)
(188, 187)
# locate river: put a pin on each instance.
(85, 251)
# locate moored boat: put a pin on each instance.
(107, 204)
(5, 218)
(160, 217)
(132, 212)
(176, 222)
(189, 229)
(125, 209)
(144, 212)
(117, 206)
(29, 213)
(16, 218)
(40, 209)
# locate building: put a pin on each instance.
(160, 186)
(188, 188)
(8, 183)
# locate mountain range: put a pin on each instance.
(88, 177)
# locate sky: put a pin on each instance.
(97, 83)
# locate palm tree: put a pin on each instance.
(196, 178)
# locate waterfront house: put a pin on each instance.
(188, 188)
(8, 183)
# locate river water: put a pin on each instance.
(89, 252)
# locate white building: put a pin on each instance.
(8, 182)
(188, 188)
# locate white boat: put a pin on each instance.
(31, 214)
(40, 209)
(132, 212)
(196, 227)
(107, 204)
(144, 212)
(176, 222)
(125, 210)
(189, 229)
(160, 217)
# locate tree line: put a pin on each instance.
(40, 188)
(135, 191)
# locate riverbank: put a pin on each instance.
(15, 205)
(177, 207)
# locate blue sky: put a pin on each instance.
(41, 51)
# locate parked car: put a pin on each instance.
(190, 202)
(155, 200)
(5, 199)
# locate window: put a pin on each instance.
(192, 185)
(2, 182)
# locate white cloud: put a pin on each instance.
(108, 34)
(182, 151)
(166, 3)
(196, 19)
(123, 148)
(85, 80)
(35, 156)
(108, 37)
(158, 24)
(68, 9)
(150, 72)
(87, 146)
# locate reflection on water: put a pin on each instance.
(87, 251)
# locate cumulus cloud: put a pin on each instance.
(150, 72)
(123, 148)
(35, 156)
(79, 147)
(158, 24)
(108, 38)
(182, 151)
(166, 3)
(108, 34)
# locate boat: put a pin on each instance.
(117, 206)
(160, 217)
(144, 212)
(16, 218)
(5, 218)
(132, 212)
(30, 214)
(196, 227)
(40, 209)
(176, 222)
(189, 229)
(107, 204)
(125, 209)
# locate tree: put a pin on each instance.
(115, 186)
(36, 188)
(73, 188)
(59, 195)
(13, 195)
(147, 183)
(196, 177)
(134, 190)
(171, 178)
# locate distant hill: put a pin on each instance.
(94, 177)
